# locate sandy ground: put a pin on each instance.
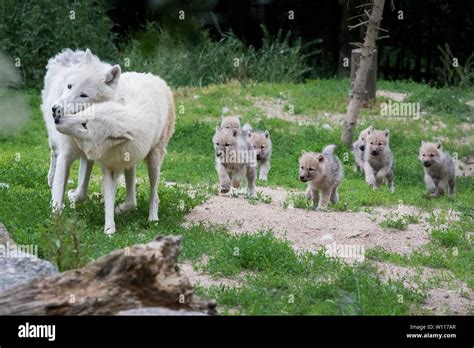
(309, 230)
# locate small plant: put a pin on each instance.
(297, 201)
(399, 222)
(260, 197)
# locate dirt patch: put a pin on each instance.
(445, 294)
(199, 278)
(398, 97)
(305, 229)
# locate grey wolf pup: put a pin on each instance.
(378, 159)
(439, 169)
(235, 158)
(263, 147)
(323, 173)
(358, 149)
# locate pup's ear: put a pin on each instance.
(88, 57)
(386, 133)
(267, 134)
(303, 152)
(113, 75)
(218, 128)
(422, 142)
(234, 133)
(439, 145)
(321, 158)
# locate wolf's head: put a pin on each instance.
(311, 165)
(431, 153)
(261, 143)
(362, 141)
(90, 82)
(230, 122)
(225, 141)
(377, 141)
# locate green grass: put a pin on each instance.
(277, 280)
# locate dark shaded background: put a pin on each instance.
(411, 52)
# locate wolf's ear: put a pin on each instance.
(386, 133)
(439, 145)
(234, 133)
(121, 136)
(422, 142)
(89, 56)
(113, 75)
(320, 158)
(267, 134)
(303, 152)
(218, 128)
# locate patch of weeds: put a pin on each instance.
(260, 197)
(398, 221)
(297, 201)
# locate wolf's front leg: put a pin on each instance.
(313, 193)
(441, 187)
(61, 175)
(369, 175)
(430, 185)
(131, 199)
(224, 179)
(80, 193)
(381, 175)
(109, 182)
(52, 168)
(251, 177)
(324, 199)
(264, 170)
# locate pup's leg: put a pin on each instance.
(264, 170)
(61, 174)
(430, 185)
(390, 182)
(452, 185)
(52, 168)
(324, 199)
(80, 193)
(236, 181)
(441, 187)
(381, 175)
(313, 193)
(131, 199)
(335, 195)
(369, 175)
(251, 177)
(224, 179)
(109, 185)
(155, 157)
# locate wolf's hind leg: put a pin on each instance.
(154, 159)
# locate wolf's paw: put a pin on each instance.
(225, 190)
(125, 207)
(251, 194)
(321, 208)
(263, 178)
(371, 181)
(76, 196)
(109, 230)
(153, 217)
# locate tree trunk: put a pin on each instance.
(144, 275)
(358, 86)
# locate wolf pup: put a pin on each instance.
(235, 158)
(439, 169)
(230, 122)
(358, 149)
(263, 148)
(323, 173)
(378, 159)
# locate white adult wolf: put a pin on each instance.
(74, 80)
(123, 131)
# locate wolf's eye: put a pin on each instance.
(84, 125)
(69, 86)
(227, 145)
(363, 138)
(311, 169)
(83, 95)
(263, 146)
(302, 167)
(217, 144)
(371, 143)
(380, 144)
(431, 155)
(423, 155)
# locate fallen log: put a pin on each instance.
(144, 275)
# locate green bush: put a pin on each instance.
(34, 31)
(202, 61)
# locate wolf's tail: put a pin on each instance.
(67, 58)
(329, 150)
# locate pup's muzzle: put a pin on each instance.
(362, 148)
(427, 164)
(303, 178)
(374, 153)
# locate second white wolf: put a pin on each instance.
(323, 172)
(119, 133)
(262, 145)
